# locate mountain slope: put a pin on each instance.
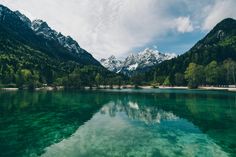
(40, 36)
(219, 44)
(41, 51)
(136, 62)
(112, 63)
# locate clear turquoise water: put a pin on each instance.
(134, 123)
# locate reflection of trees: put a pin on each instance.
(213, 112)
(32, 121)
(29, 122)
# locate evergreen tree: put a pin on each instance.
(179, 79)
(8, 75)
(167, 81)
(98, 80)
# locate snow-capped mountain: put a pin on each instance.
(133, 62)
(112, 63)
(41, 28)
(40, 36)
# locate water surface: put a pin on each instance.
(118, 123)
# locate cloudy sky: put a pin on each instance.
(119, 27)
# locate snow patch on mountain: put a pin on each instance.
(112, 63)
(41, 28)
(141, 60)
(133, 67)
(44, 38)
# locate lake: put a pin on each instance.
(134, 123)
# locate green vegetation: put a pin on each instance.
(28, 61)
(24, 67)
(212, 74)
(179, 79)
(167, 81)
(194, 74)
(98, 80)
(27, 78)
(209, 62)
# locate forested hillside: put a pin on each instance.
(32, 54)
(28, 58)
(210, 62)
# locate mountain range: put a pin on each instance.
(34, 50)
(34, 46)
(137, 62)
(40, 36)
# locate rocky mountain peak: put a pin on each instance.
(23, 18)
(42, 28)
(134, 61)
(112, 57)
(225, 25)
(223, 30)
(39, 34)
(111, 63)
(3, 9)
(39, 24)
(149, 51)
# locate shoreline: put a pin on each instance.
(50, 88)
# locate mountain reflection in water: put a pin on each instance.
(118, 123)
(147, 114)
(128, 129)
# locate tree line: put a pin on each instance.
(32, 72)
(87, 76)
(213, 74)
(29, 72)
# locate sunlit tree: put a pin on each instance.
(194, 74)
(212, 73)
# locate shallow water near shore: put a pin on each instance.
(128, 122)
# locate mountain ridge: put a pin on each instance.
(30, 58)
(64, 49)
(218, 45)
(136, 61)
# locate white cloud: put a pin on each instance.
(106, 27)
(183, 24)
(103, 27)
(220, 10)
